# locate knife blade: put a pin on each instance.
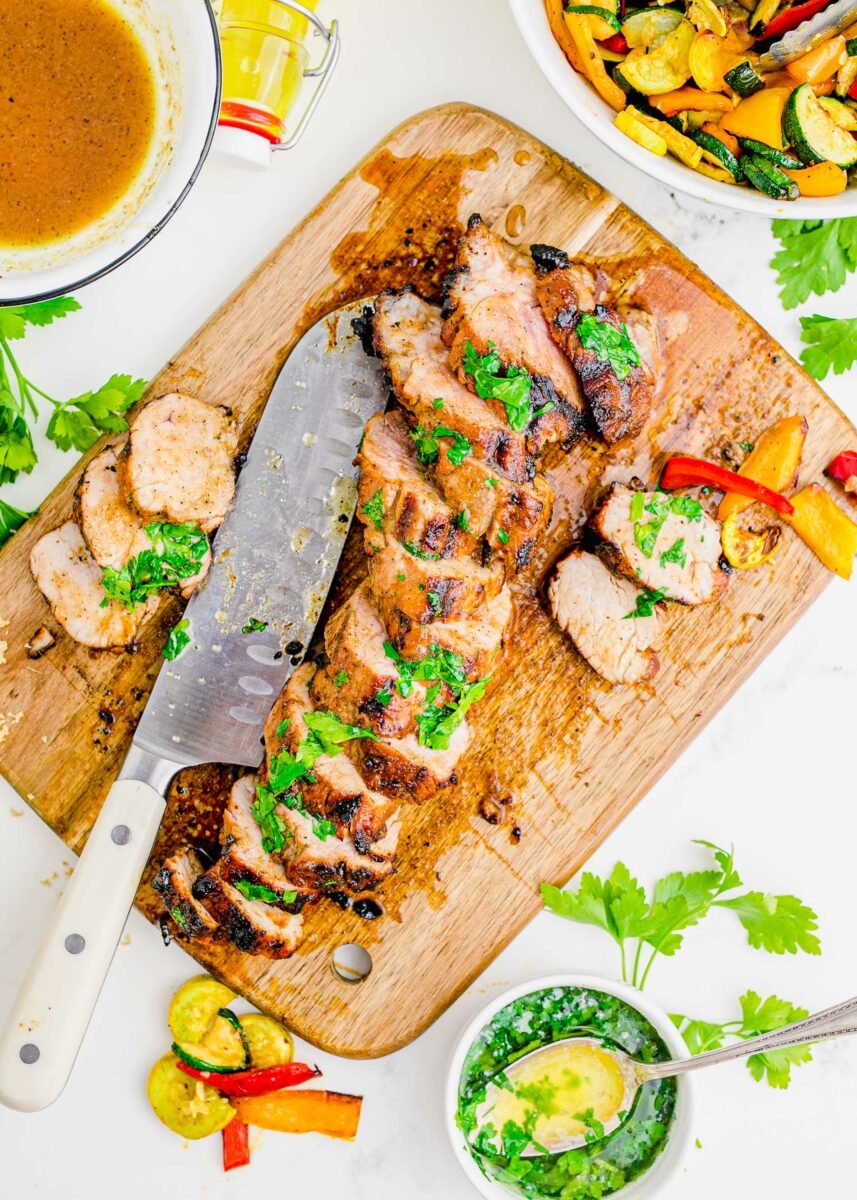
(273, 560)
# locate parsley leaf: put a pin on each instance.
(17, 454)
(259, 891)
(177, 553)
(512, 389)
(340, 679)
(254, 625)
(779, 924)
(179, 918)
(177, 639)
(414, 550)
(675, 554)
(502, 537)
(438, 722)
(815, 256)
(609, 344)
(330, 732)
(831, 344)
(11, 520)
(646, 601)
(463, 521)
(271, 824)
(374, 509)
(80, 422)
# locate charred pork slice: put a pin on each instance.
(174, 883)
(178, 461)
(358, 683)
(394, 496)
(326, 862)
(477, 640)
(252, 925)
(409, 589)
(112, 529)
(569, 293)
(595, 608)
(244, 858)
(491, 303)
(336, 790)
(645, 538)
(70, 580)
(407, 338)
(406, 771)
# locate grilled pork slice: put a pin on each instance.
(244, 857)
(336, 790)
(112, 529)
(406, 771)
(394, 496)
(70, 580)
(476, 639)
(592, 605)
(178, 461)
(321, 862)
(568, 291)
(174, 883)
(408, 588)
(407, 337)
(358, 683)
(252, 925)
(490, 301)
(684, 563)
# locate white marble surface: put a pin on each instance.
(773, 772)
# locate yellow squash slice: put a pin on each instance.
(663, 68)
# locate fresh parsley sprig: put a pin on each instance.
(815, 257)
(831, 344)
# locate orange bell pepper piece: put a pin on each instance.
(730, 142)
(819, 64)
(687, 98)
(760, 116)
(824, 179)
(305, 1111)
(830, 534)
(773, 462)
(593, 63)
(556, 20)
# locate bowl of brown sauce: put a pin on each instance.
(107, 112)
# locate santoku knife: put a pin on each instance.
(274, 558)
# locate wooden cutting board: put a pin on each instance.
(557, 752)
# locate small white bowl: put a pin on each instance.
(678, 1136)
(531, 19)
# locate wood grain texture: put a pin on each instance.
(569, 754)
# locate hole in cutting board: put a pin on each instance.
(351, 963)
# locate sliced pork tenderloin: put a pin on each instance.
(680, 555)
(174, 883)
(406, 771)
(251, 925)
(477, 639)
(596, 609)
(319, 861)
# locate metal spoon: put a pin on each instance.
(833, 1022)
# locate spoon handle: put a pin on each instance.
(832, 1022)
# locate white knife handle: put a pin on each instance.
(48, 1020)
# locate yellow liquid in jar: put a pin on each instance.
(263, 63)
(566, 1081)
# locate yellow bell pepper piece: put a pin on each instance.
(820, 522)
(743, 548)
(593, 63)
(679, 145)
(638, 133)
(684, 99)
(819, 64)
(773, 461)
(760, 116)
(556, 20)
(824, 179)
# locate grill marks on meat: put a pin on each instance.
(476, 639)
(244, 857)
(491, 297)
(174, 883)
(70, 580)
(252, 925)
(566, 291)
(403, 769)
(700, 581)
(412, 509)
(178, 461)
(591, 605)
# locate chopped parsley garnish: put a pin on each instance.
(177, 554)
(686, 506)
(271, 824)
(545, 408)
(438, 722)
(383, 696)
(747, 447)
(179, 918)
(490, 482)
(258, 891)
(413, 549)
(594, 1128)
(438, 403)
(254, 625)
(511, 389)
(428, 446)
(374, 509)
(283, 726)
(463, 521)
(646, 601)
(434, 602)
(340, 679)
(502, 537)
(177, 639)
(401, 578)
(675, 554)
(608, 344)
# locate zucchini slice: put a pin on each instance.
(270, 1043)
(845, 117)
(763, 13)
(813, 133)
(606, 22)
(663, 68)
(223, 1049)
(767, 178)
(186, 1106)
(194, 1007)
(780, 158)
(744, 80)
(851, 47)
(648, 27)
(717, 154)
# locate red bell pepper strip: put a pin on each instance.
(683, 471)
(236, 1145)
(790, 18)
(616, 43)
(852, 91)
(843, 468)
(256, 1082)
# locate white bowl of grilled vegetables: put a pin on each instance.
(751, 104)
